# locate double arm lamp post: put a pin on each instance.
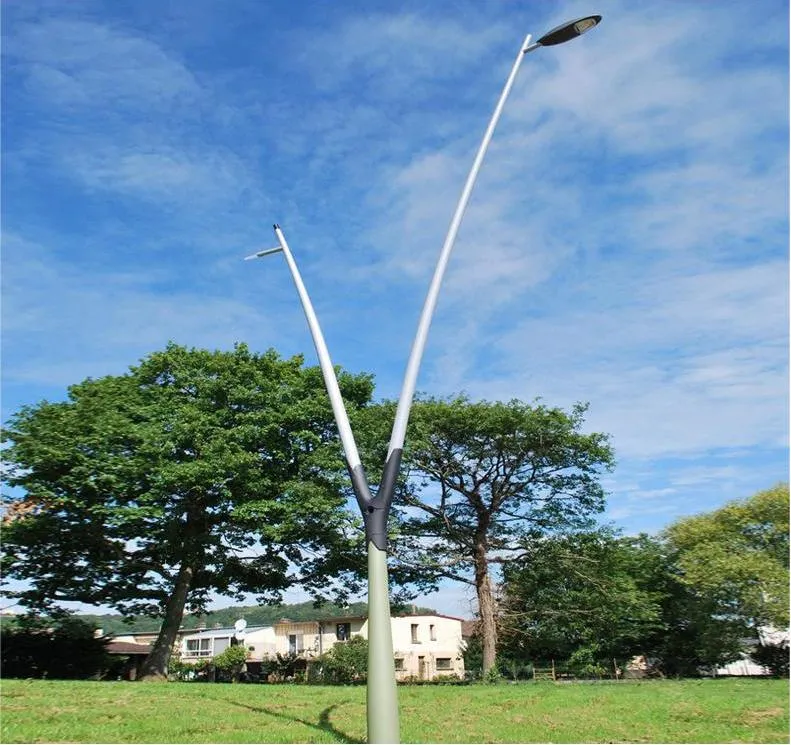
(382, 699)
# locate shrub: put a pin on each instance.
(187, 671)
(282, 667)
(512, 669)
(63, 648)
(231, 661)
(583, 662)
(346, 662)
(492, 676)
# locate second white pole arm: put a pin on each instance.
(327, 369)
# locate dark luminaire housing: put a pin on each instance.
(568, 31)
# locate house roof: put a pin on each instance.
(127, 648)
(468, 628)
(223, 631)
(342, 619)
(427, 615)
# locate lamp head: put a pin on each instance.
(568, 31)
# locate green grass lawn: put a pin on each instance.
(719, 711)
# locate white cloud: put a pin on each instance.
(109, 319)
(171, 174)
(401, 51)
(83, 63)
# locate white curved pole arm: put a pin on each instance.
(410, 377)
(327, 369)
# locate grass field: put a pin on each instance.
(656, 711)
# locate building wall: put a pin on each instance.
(313, 638)
(428, 646)
(433, 648)
(259, 642)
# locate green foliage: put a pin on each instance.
(492, 676)
(62, 647)
(473, 657)
(584, 591)
(593, 598)
(185, 671)
(774, 657)
(195, 472)
(346, 662)
(283, 667)
(586, 662)
(513, 469)
(737, 557)
(231, 661)
(512, 669)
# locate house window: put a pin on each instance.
(221, 643)
(295, 643)
(343, 631)
(415, 640)
(399, 663)
(443, 663)
(199, 647)
(432, 632)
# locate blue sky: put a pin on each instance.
(626, 244)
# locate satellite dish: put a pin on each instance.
(240, 625)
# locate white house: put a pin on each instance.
(259, 642)
(424, 646)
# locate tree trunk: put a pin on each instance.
(486, 607)
(155, 666)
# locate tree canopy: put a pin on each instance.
(597, 597)
(195, 472)
(737, 557)
(688, 599)
(486, 478)
(590, 590)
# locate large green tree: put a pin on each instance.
(486, 478)
(586, 592)
(737, 557)
(195, 472)
(599, 597)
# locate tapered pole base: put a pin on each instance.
(382, 700)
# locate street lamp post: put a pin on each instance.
(382, 697)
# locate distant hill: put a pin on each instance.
(255, 615)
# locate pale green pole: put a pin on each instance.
(382, 704)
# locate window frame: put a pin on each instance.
(347, 631)
(443, 666)
(204, 647)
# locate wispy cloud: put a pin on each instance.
(92, 65)
(173, 175)
(108, 319)
(626, 243)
